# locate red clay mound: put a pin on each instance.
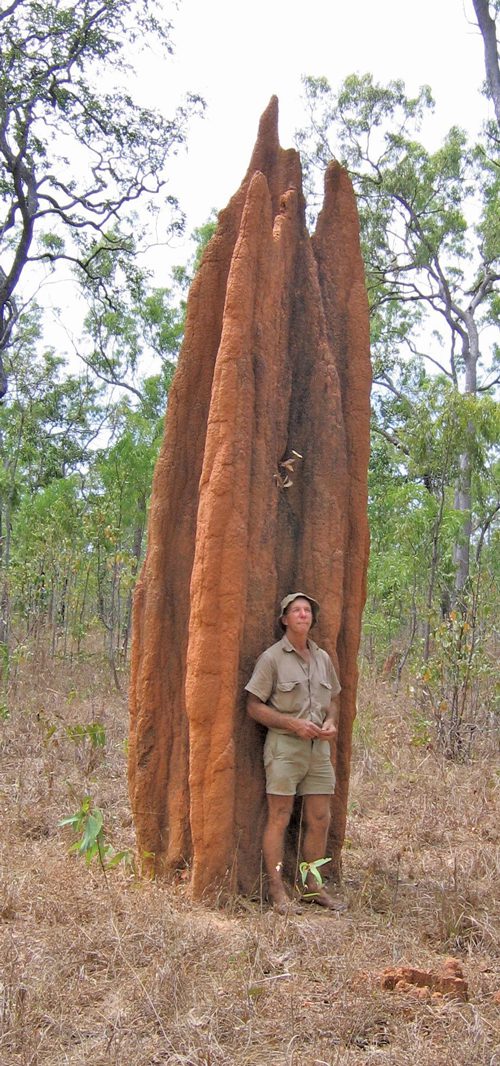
(275, 360)
(449, 980)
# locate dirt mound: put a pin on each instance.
(275, 362)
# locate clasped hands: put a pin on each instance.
(310, 731)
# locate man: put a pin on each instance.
(293, 692)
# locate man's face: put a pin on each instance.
(298, 617)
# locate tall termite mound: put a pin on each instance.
(275, 360)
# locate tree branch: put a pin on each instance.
(391, 439)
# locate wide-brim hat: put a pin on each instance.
(287, 600)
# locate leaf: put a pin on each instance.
(90, 853)
(72, 819)
(118, 857)
(312, 867)
(97, 734)
(91, 832)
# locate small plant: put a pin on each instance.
(9, 659)
(48, 730)
(456, 682)
(307, 868)
(88, 824)
(421, 732)
(89, 741)
(94, 732)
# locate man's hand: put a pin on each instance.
(305, 730)
(273, 719)
(328, 730)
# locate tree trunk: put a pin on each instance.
(137, 553)
(433, 571)
(463, 491)
(488, 32)
(5, 537)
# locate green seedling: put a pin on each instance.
(312, 868)
(87, 821)
(87, 824)
(94, 732)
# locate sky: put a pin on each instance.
(238, 55)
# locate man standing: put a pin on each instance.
(293, 692)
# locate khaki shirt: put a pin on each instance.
(283, 680)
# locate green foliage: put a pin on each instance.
(50, 416)
(76, 155)
(78, 450)
(429, 220)
(87, 824)
(73, 514)
(431, 243)
(312, 868)
(459, 682)
(127, 321)
(201, 237)
(94, 732)
(87, 821)
(421, 729)
(415, 526)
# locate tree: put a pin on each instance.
(487, 26)
(73, 510)
(429, 223)
(47, 426)
(127, 323)
(75, 154)
(200, 237)
(117, 493)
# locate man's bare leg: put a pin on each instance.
(317, 820)
(279, 810)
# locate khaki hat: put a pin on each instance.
(294, 596)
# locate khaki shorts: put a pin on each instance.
(295, 766)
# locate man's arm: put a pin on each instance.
(272, 719)
(331, 723)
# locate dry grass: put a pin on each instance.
(133, 974)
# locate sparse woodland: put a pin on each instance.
(97, 965)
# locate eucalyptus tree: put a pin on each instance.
(487, 12)
(117, 493)
(75, 482)
(77, 152)
(48, 423)
(430, 234)
(130, 327)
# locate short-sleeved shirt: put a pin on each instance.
(283, 680)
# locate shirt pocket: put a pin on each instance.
(289, 696)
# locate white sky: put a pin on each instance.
(237, 55)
